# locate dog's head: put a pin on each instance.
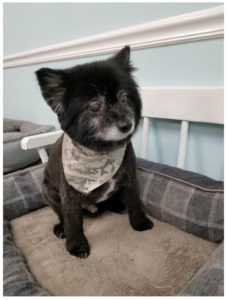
(97, 103)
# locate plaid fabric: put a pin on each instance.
(189, 201)
(191, 178)
(209, 280)
(22, 192)
(174, 196)
(184, 204)
(17, 280)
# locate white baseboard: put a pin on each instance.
(199, 25)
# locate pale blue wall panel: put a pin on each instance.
(189, 64)
(28, 26)
(32, 25)
(205, 148)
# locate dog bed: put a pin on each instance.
(181, 255)
(14, 157)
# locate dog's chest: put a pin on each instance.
(106, 193)
(86, 170)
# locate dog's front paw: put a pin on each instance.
(141, 223)
(80, 248)
(59, 231)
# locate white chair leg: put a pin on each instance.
(43, 154)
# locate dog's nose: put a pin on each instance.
(124, 126)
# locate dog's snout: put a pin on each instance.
(125, 126)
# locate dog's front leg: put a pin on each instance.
(76, 242)
(137, 218)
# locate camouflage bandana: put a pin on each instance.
(85, 169)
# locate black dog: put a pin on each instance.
(99, 108)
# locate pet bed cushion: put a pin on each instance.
(122, 262)
(17, 280)
(14, 130)
(190, 201)
(209, 280)
(22, 194)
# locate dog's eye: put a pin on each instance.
(123, 98)
(95, 107)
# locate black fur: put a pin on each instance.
(70, 93)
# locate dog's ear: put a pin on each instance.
(123, 56)
(53, 87)
(123, 59)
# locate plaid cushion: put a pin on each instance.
(187, 200)
(17, 280)
(209, 280)
(22, 192)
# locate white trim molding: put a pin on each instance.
(186, 104)
(194, 104)
(194, 26)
